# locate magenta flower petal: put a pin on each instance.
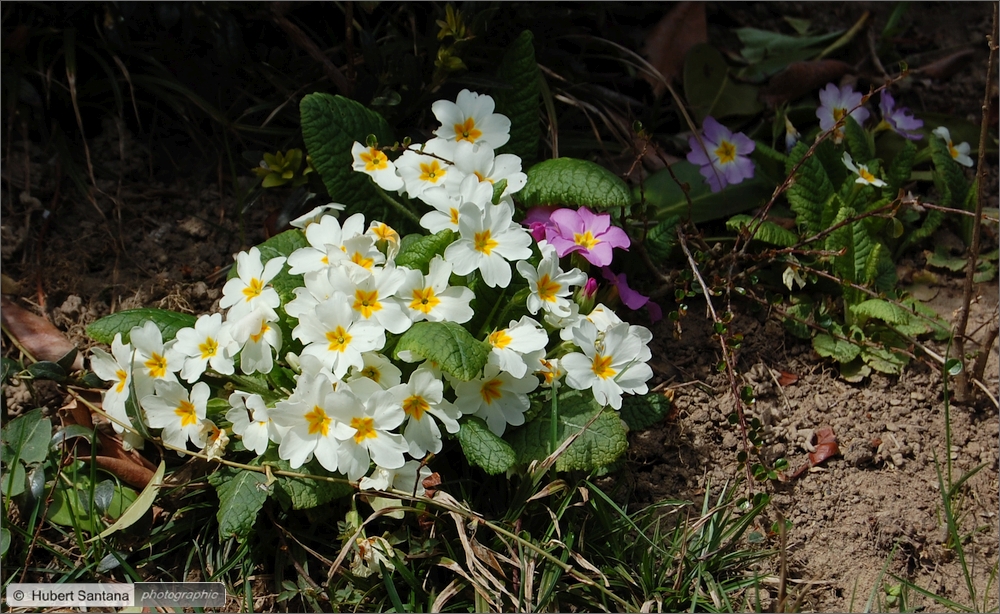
(616, 237)
(596, 224)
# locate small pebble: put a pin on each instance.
(895, 402)
(891, 426)
(918, 396)
(897, 459)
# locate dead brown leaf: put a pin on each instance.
(36, 334)
(825, 443)
(669, 41)
(947, 67)
(787, 379)
(801, 78)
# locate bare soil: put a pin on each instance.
(144, 242)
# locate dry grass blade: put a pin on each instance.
(454, 587)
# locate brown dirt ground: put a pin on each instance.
(877, 504)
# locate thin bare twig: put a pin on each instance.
(962, 384)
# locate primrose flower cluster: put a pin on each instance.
(723, 156)
(352, 405)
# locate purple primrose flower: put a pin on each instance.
(898, 119)
(632, 299)
(835, 103)
(721, 155)
(592, 235)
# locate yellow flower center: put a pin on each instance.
(424, 300)
(863, 172)
(384, 232)
(602, 367)
(726, 152)
(185, 411)
(467, 131)
(432, 171)
(372, 373)
(209, 348)
(122, 377)
(491, 391)
(415, 406)
(954, 152)
(587, 240)
(157, 366)
(454, 216)
(838, 114)
(548, 289)
(500, 339)
(481, 178)
(361, 260)
(374, 160)
(339, 339)
(264, 327)
(366, 302)
(548, 373)
(253, 289)
(318, 421)
(365, 429)
(484, 242)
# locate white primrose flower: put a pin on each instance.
(610, 364)
(422, 400)
(316, 214)
(550, 371)
(471, 118)
(117, 368)
(153, 360)
(209, 342)
(317, 289)
(308, 417)
(179, 415)
(512, 345)
(427, 166)
(376, 165)
(498, 397)
(370, 296)
(332, 334)
(429, 297)
(549, 285)
(248, 290)
(363, 429)
(447, 204)
(480, 162)
(252, 421)
(379, 369)
(408, 478)
(383, 234)
(864, 175)
(331, 243)
(257, 334)
(960, 152)
(487, 243)
(600, 316)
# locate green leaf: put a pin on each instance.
(882, 310)
(45, 370)
(766, 231)
(859, 142)
(169, 322)
(449, 345)
(27, 437)
(855, 371)
(761, 44)
(899, 170)
(884, 360)
(417, 253)
(574, 183)
(662, 192)
(241, 496)
(305, 493)
(662, 239)
(10, 367)
(853, 238)
(953, 366)
(640, 412)
(4, 540)
(803, 312)
(13, 481)
(483, 448)
(941, 259)
(840, 350)
(600, 445)
(519, 70)
(330, 126)
(709, 90)
(811, 190)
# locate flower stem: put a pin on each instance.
(398, 206)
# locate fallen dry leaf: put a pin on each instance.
(824, 446)
(947, 67)
(801, 78)
(129, 466)
(36, 334)
(787, 379)
(669, 41)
